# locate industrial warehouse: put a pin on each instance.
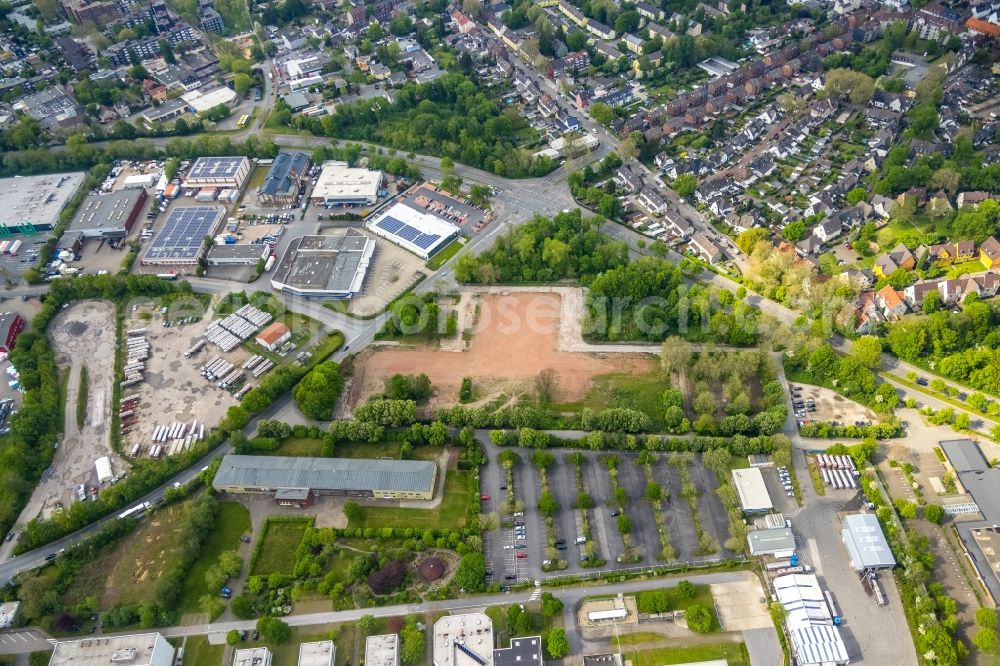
(980, 485)
(752, 492)
(218, 172)
(866, 543)
(284, 178)
(330, 267)
(181, 241)
(421, 233)
(341, 185)
(296, 479)
(33, 203)
(105, 216)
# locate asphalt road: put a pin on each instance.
(33, 640)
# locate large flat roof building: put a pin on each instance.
(134, 650)
(331, 267)
(866, 543)
(181, 241)
(421, 233)
(342, 477)
(221, 254)
(339, 184)
(752, 492)
(382, 650)
(106, 216)
(284, 177)
(201, 101)
(218, 172)
(33, 203)
(318, 653)
(463, 640)
(980, 538)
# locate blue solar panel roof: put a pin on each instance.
(184, 232)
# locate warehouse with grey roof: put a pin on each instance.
(340, 477)
(866, 543)
(325, 267)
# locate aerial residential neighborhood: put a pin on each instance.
(514, 332)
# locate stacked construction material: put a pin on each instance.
(228, 333)
(175, 437)
(127, 417)
(136, 353)
(838, 471)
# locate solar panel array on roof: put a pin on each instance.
(216, 167)
(183, 234)
(406, 232)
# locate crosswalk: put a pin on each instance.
(15, 637)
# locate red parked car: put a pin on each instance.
(485, 498)
(521, 556)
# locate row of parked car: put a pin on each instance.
(786, 481)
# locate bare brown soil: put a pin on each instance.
(515, 339)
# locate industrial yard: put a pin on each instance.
(193, 373)
(82, 336)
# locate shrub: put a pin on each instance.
(388, 578)
(699, 618)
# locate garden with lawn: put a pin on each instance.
(354, 568)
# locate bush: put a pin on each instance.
(408, 387)
(686, 589)
(934, 513)
(699, 618)
(388, 578)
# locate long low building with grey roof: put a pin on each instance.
(325, 267)
(341, 477)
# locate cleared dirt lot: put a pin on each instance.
(173, 389)
(832, 406)
(515, 338)
(82, 335)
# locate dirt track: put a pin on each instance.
(515, 338)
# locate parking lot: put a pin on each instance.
(778, 484)
(518, 550)
(827, 406)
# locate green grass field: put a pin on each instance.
(198, 652)
(735, 654)
(277, 545)
(449, 251)
(232, 520)
(450, 514)
(641, 392)
(128, 571)
(382, 450)
(297, 446)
